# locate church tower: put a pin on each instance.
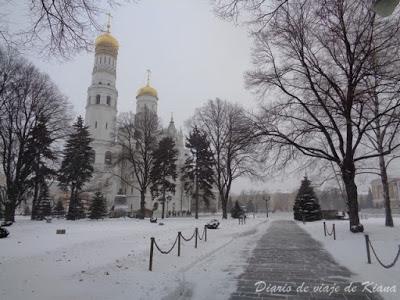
(147, 97)
(101, 107)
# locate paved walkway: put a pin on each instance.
(287, 260)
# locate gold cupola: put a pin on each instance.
(106, 43)
(147, 90)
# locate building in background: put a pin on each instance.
(377, 192)
(101, 118)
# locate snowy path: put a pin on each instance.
(109, 260)
(287, 261)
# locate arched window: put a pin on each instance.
(106, 125)
(107, 158)
(95, 124)
(97, 99)
(108, 100)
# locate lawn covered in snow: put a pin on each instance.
(349, 249)
(108, 259)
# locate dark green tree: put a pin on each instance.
(59, 210)
(43, 209)
(306, 206)
(77, 166)
(41, 154)
(163, 173)
(198, 173)
(236, 211)
(98, 207)
(250, 206)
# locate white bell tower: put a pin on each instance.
(101, 107)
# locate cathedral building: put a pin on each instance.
(101, 118)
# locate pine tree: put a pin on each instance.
(59, 210)
(236, 211)
(306, 205)
(198, 173)
(77, 166)
(98, 207)
(40, 153)
(163, 173)
(43, 208)
(250, 206)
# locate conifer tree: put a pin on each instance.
(306, 205)
(163, 173)
(43, 208)
(236, 211)
(98, 207)
(41, 154)
(59, 210)
(77, 166)
(198, 173)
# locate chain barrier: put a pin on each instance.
(189, 239)
(169, 251)
(369, 245)
(204, 234)
(177, 241)
(332, 233)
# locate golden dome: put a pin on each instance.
(147, 90)
(106, 40)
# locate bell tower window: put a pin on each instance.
(97, 99)
(108, 100)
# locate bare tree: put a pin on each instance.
(52, 26)
(137, 138)
(26, 95)
(315, 55)
(229, 131)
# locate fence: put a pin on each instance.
(332, 233)
(369, 246)
(178, 242)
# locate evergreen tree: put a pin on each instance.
(77, 166)
(198, 173)
(98, 207)
(306, 205)
(59, 210)
(163, 173)
(236, 211)
(43, 208)
(250, 206)
(40, 152)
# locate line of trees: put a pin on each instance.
(333, 70)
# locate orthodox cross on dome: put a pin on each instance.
(172, 117)
(109, 22)
(148, 76)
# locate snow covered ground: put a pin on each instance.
(109, 259)
(349, 250)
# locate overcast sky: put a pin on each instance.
(193, 55)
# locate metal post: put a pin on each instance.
(367, 245)
(195, 233)
(334, 232)
(179, 243)
(324, 228)
(205, 233)
(151, 254)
